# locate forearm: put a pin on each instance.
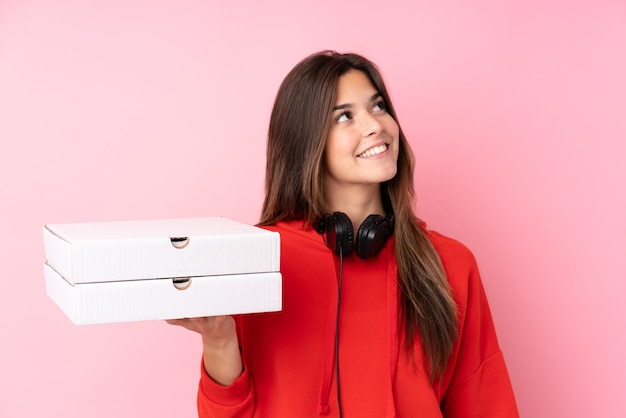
(222, 360)
(224, 390)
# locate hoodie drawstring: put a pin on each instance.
(394, 341)
(328, 365)
(329, 355)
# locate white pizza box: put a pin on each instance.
(156, 299)
(150, 249)
(161, 269)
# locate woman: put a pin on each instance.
(381, 317)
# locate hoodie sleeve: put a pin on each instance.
(233, 401)
(476, 384)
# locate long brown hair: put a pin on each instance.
(299, 124)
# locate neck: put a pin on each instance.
(357, 202)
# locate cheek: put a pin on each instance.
(394, 132)
(327, 157)
(392, 128)
(334, 148)
(331, 162)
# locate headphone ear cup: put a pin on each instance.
(372, 235)
(339, 233)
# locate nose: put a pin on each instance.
(370, 125)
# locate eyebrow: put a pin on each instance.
(349, 105)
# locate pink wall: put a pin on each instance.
(141, 109)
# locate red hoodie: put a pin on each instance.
(289, 356)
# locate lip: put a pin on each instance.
(373, 147)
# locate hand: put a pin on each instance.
(222, 359)
(214, 328)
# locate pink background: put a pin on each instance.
(125, 110)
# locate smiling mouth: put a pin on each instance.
(374, 151)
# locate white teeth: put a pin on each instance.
(373, 151)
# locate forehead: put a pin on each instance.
(353, 85)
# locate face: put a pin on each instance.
(362, 144)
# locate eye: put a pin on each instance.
(343, 117)
(379, 105)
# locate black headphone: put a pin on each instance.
(370, 238)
